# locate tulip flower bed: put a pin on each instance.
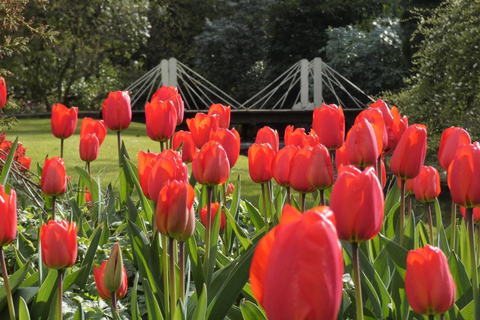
(178, 241)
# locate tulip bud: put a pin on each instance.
(64, 121)
(54, 177)
(170, 93)
(146, 160)
(281, 165)
(210, 166)
(3, 93)
(184, 139)
(409, 155)
(452, 138)
(89, 146)
(59, 244)
(299, 172)
(361, 145)
(117, 111)
(97, 127)
(427, 185)
(114, 270)
(230, 141)
(268, 135)
(329, 125)
(213, 213)
(8, 216)
(105, 294)
(260, 161)
(223, 113)
(161, 119)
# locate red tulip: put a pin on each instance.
(476, 214)
(171, 93)
(223, 113)
(427, 185)
(375, 118)
(319, 169)
(24, 164)
(54, 177)
(357, 202)
(268, 135)
(230, 141)
(8, 216)
(168, 166)
(464, 176)
(281, 165)
(260, 162)
(409, 155)
(428, 282)
(452, 138)
(116, 111)
(230, 189)
(161, 119)
(341, 158)
(298, 137)
(395, 130)
(297, 268)
(96, 127)
(188, 148)
(146, 160)
(3, 92)
(174, 204)
(299, 179)
(213, 212)
(64, 121)
(99, 274)
(201, 127)
(329, 125)
(89, 146)
(59, 244)
(210, 166)
(361, 145)
(88, 196)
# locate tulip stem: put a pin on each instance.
(264, 208)
(61, 148)
(430, 222)
(114, 304)
(54, 198)
(402, 209)
(270, 204)
(409, 208)
(431, 317)
(289, 196)
(378, 167)
(162, 146)
(322, 197)
(207, 231)
(60, 293)
(173, 294)
(181, 262)
(356, 279)
(302, 201)
(165, 275)
(119, 146)
(11, 308)
(473, 260)
(453, 226)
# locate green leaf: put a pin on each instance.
(134, 302)
(153, 308)
(79, 314)
(251, 311)
(92, 187)
(133, 171)
(16, 280)
(214, 232)
(255, 215)
(195, 259)
(71, 277)
(8, 163)
(41, 306)
(442, 241)
(89, 257)
(201, 309)
(23, 313)
(463, 285)
(398, 255)
(237, 229)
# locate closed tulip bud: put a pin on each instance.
(260, 162)
(168, 166)
(210, 166)
(3, 92)
(184, 139)
(114, 270)
(59, 244)
(452, 138)
(308, 244)
(281, 165)
(89, 146)
(223, 113)
(375, 118)
(476, 214)
(213, 213)
(230, 189)
(161, 119)
(427, 185)
(299, 170)
(103, 292)
(171, 93)
(357, 202)
(361, 146)
(117, 111)
(146, 160)
(97, 127)
(64, 121)
(8, 216)
(464, 176)
(174, 204)
(409, 155)
(230, 141)
(268, 135)
(329, 125)
(201, 127)
(428, 282)
(54, 177)
(320, 173)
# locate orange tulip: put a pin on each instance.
(210, 166)
(409, 155)
(116, 111)
(89, 146)
(464, 176)
(168, 166)
(188, 148)
(213, 212)
(96, 127)
(201, 127)
(357, 202)
(230, 141)
(99, 274)
(54, 177)
(59, 244)
(260, 162)
(64, 121)
(170, 93)
(427, 185)
(299, 179)
(329, 125)
(223, 113)
(319, 169)
(174, 206)
(161, 119)
(8, 216)
(281, 165)
(361, 145)
(3, 92)
(428, 282)
(452, 138)
(297, 268)
(268, 135)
